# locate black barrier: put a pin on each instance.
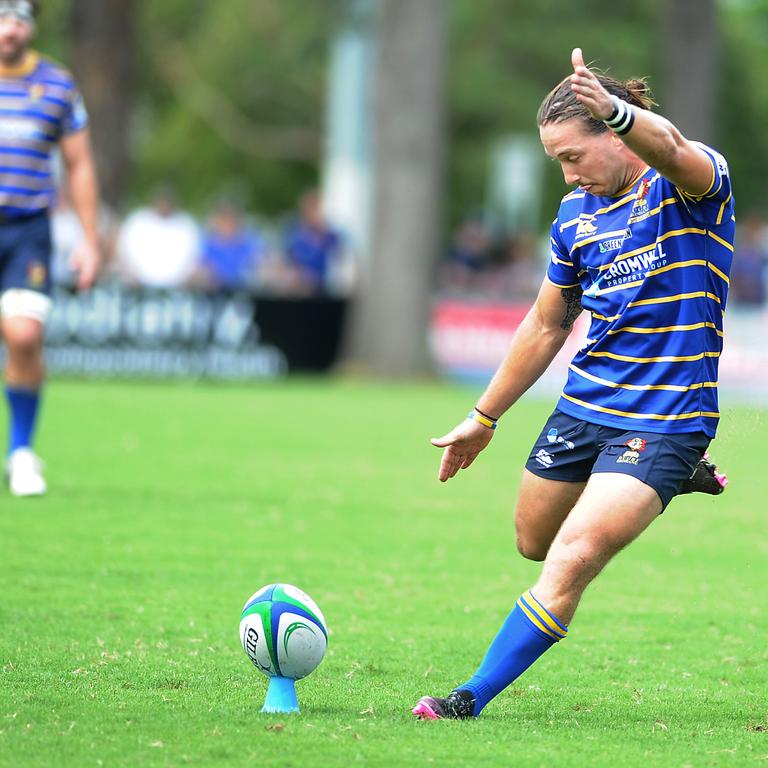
(308, 331)
(117, 331)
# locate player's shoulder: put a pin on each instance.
(574, 198)
(571, 204)
(573, 208)
(720, 186)
(53, 71)
(718, 159)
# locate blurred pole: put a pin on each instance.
(392, 318)
(104, 62)
(691, 47)
(347, 168)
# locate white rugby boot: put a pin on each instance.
(25, 473)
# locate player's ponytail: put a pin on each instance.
(638, 93)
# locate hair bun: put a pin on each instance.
(640, 92)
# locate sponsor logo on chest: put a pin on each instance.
(613, 243)
(642, 262)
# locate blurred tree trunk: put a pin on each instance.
(104, 63)
(691, 47)
(391, 321)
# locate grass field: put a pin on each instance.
(170, 504)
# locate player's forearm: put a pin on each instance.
(655, 140)
(533, 348)
(84, 191)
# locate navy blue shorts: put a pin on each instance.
(25, 253)
(570, 450)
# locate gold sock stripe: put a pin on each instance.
(535, 620)
(543, 614)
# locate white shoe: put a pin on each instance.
(25, 473)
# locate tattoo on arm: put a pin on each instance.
(572, 299)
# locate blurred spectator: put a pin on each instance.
(158, 246)
(515, 273)
(67, 234)
(311, 247)
(748, 273)
(232, 252)
(469, 257)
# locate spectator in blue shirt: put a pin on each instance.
(311, 245)
(232, 251)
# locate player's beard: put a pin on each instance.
(12, 51)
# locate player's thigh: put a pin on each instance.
(25, 282)
(613, 510)
(542, 506)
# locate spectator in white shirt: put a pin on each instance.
(159, 245)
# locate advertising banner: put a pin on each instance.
(117, 331)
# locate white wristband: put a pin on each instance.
(622, 118)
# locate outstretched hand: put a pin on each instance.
(588, 90)
(462, 445)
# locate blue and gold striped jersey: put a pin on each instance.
(39, 103)
(653, 265)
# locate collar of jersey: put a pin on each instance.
(629, 186)
(31, 60)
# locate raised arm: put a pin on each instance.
(535, 344)
(652, 137)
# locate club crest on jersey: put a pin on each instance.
(586, 225)
(36, 91)
(640, 206)
(635, 447)
(639, 210)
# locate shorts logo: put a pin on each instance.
(36, 274)
(544, 458)
(632, 456)
(554, 437)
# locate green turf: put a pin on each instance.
(171, 504)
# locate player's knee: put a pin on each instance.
(23, 339)
(578, 555)
(531, 548)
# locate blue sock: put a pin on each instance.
(23, 405)
(528, 631)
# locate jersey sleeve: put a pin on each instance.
(716, 203)
(561, 271)
(75, 117)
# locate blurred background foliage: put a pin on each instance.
(231, 94)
